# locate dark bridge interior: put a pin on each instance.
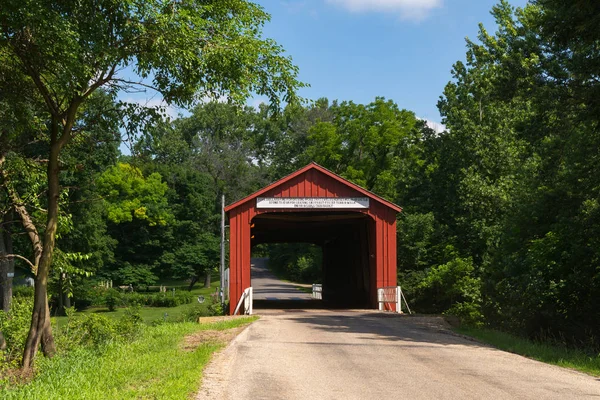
(346, 239)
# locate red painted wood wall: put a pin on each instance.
(311, 181)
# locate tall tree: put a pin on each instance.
(184, 50)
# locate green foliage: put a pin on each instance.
(112, 298)
(468, 312)
(15, 325)
(297, 262)
(128, 195)
(139, 274)
(371, 145)
(23, 291)
(216, 309)
(88, 330)
(451, 286)
(517, 170)
(155, 365)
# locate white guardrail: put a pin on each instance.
(317, 291)
(391, 295)
(246, 300)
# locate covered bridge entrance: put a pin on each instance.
(355, 228)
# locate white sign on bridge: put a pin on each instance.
(312, 202)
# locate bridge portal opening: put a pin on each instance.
(345, 240)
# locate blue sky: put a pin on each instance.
(359, 49)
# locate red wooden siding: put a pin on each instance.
(314, 181)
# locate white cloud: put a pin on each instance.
(408, 9)
(436, 126)
(156, 101)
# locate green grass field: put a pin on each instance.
(156, 366)
(557, 355)
(151, 314)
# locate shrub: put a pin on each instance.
(216, 309)
(15, 325)
(22, 291)
(193, 313)
(170, 300)
(112, 298)
(469, 313)
(89, 330)
(98, 330)
(130, 324)
(450, 284)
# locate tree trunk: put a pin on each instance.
(67, 301)
(7, 265)
(64, 301)
(2, 342)
(193, 282)
(207, 279)
(4, 292)
(61, 306)
(40, 330)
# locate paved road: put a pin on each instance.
(266, 286)
(370, 355)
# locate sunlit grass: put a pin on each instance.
(153, 367)
(551, 354)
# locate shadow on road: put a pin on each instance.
(390, 327)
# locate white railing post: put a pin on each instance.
(399, 300)
(317, 291)
(251, 300)
(246, 299)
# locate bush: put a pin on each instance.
(170, 300)
(193, 313)
(22, 291)
(91, 330)
(450, 284)
(469, 313)
(112, 298)
(90, 295)
(15, 325)
(130, 324)
(98, 330)
(216, 309)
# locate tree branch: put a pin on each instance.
(132, 83)
(33, 267)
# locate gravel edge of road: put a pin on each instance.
(218, 369)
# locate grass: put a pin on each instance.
(151, 314)
(551, 354)
(156, 366)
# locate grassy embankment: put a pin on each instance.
(155, 366)
(551, 354)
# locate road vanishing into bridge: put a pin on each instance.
(333, 354)
(266, 286)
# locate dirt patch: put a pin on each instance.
(191, 342)
(435, 322)
(16, 376)
(221, 318)
(213, 336)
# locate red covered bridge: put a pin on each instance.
(355, 228)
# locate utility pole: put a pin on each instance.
(222, 267)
